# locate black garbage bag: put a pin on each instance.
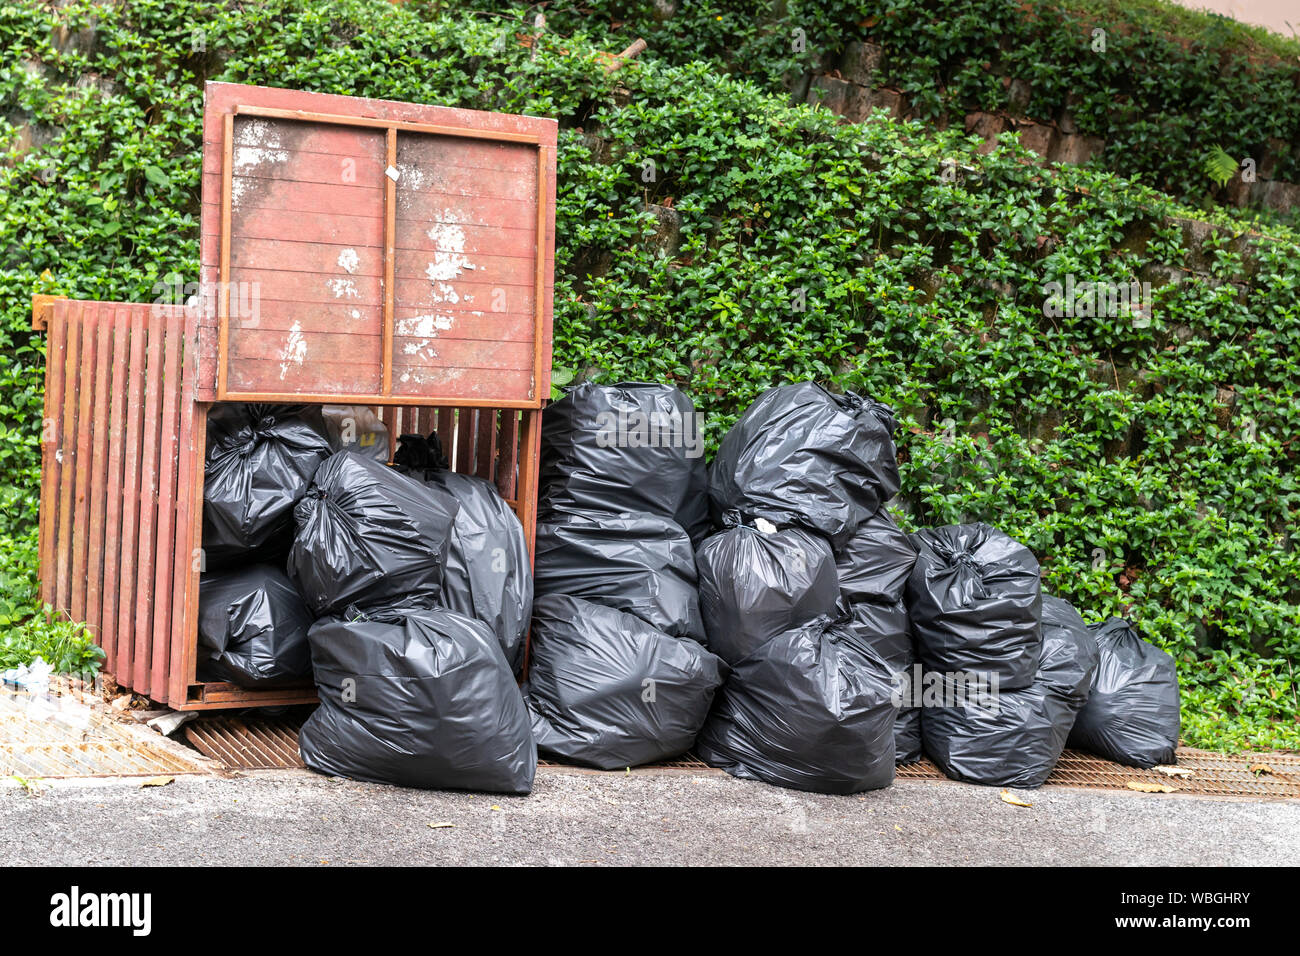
(418, 697)
(368, 535)
(252, 628)
(260, 460)
(875, 561)
(1132, 715)
(907, 732)
(884, 626)
(632, 447)
(357, 428)
(974, 597)
(812, 709)
(1014, 738)
(800, 455)
(489, 575)
(639, 563)
(607, 690)
(757, 582)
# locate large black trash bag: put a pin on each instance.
(907, 732)
(639, 563)
(1018, 743)
(1132, 716)
(632, 447)
(489, 575)
(757, 582)
(607, 690)
(369, 535)
(260, 460)
(874, 563)
(974, 597)
(800, 455)
(812, 709)
(252, 628)
(884, 626)
(419, 697)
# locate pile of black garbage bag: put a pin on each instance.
(843, 645)
(405, 592)
(618, 674)
(766, 612)
(802, 594)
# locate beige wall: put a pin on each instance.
(1280, 16)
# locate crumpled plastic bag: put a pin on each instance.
(630, 448)
(876, 560)
(252, 628)
(369, 535)
(357, 428)
(885, 627)
(418, 697)
(812, 709)
(800, 455)
(757, 582)
(260, 460)
(639, 563)
(1133, 715)
(607, 690)
(488, 575)
(975, 599)
(1018, 743)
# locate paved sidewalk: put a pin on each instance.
(646, 817)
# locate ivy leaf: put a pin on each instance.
(156, 176)
(1219, 166)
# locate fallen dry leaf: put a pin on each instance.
(1143, 786)
(440, 826)
(1008, 797)
(1173, 771)
(157, 781)
(1261, 768)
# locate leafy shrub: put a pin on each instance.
(1146, 458)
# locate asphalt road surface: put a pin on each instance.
(645, 817)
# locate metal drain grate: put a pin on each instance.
(271, 743)
(247, 743)
(687, 761)
(58, 746)
(1212, 774)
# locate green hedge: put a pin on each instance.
(1170, 86)
(810, 249)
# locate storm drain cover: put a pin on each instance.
(42, 741)
(247, 743)
(266, 743)
(1207, 774)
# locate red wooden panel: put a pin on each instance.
(466, 431)
(446, 428)
(315, 190)
(152, 422)
(113, 530)
(81, 503)
(389, 416)
(102, 400)
(485, 443)
(168, 452)
(68, 457)
(131, 486)
(335, 376)
(52, 428)
(491, 387)
(508, 460)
